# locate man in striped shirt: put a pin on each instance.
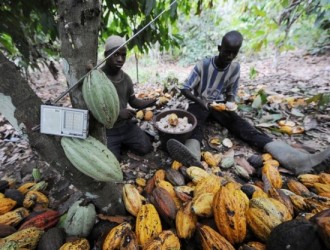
(216, 79)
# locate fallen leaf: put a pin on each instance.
(310, 123)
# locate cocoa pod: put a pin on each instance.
(164, 204)
(6, 230)
(53, 239)
(43, 221)
(174, 177)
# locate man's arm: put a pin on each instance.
(187, 93)
(231, 91)
(140, 103)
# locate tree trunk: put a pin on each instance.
(21, 106)
(79, 23)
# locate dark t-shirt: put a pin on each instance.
(124, 86)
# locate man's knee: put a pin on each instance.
(144, 148)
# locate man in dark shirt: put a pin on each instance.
(125, 131)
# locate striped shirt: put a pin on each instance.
(210, 83)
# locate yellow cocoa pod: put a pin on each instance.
(211, 239)
(209, 184)
(316, 205)
(264, 214)
(209, 158)
(33, 198)
(279, 195)
(132, 199)
(159, 175)
(324, 194)
(286, 129)
(229, 208)
(322, 188)
(185, 221)
(196, 174)
(255, 245)
(308, 179)
(272, 162)
(141, 182)
(202, 205)
(26, 238)
(165, 240)
(163, 100)
(176, 165)
(148, 224)
(259, 193)
(114, 237)
(81, 244)
(324, 178)
(169, 240)
(266, 157)
(139, 115)
(24, 188)
(298, 188)
(12, 218)
(271, 177)
(299, 203)
(6, 204)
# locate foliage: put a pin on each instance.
(259, 100)
(265, 25)
(322, 100)
(253, 73)
(279, 23)
(200, 36)
(28, 29)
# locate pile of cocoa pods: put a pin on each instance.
(180, 207)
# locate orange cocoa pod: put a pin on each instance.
(6, 204)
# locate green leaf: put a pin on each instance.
(270, 118)
(257, 103)
(263, 96)
(253, 73)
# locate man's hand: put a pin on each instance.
(205, 104)
(138, 103)
(150, 102)
(126, 114)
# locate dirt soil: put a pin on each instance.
(298, 76)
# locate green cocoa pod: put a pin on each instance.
(101, 98)
(80, 218)
(92, 158)
(227, 162)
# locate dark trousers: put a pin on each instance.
(130, 136)
(235, 124)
